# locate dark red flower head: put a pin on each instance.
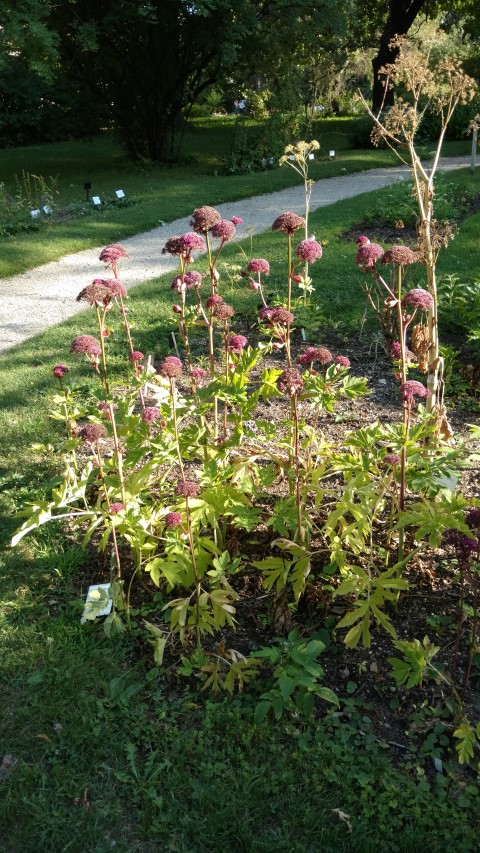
(309, 250)
(223, 312)
(237, 220)
(111, 254)
(136, 355)
(259, 265)
(92, 433)
(204, 218)
(290, 382)
(86, 344)
(213, 300)
(224, 230)
(281, 316)
(401, 255)
(59, 371)
(95, 293)
(411, 389)
(150, 414)
(116, 508)
(187, 489)
(236, 343)
(115, 288)
(367, 255)
(172, 520)
(288, 223)
(171, 367)
(418, 298)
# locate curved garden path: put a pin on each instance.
(45, 296)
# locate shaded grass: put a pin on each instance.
(164, 193)
(160, 769)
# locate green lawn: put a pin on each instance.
(163, 193)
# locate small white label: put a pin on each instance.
(291, 157)
(98, 602)
(311, 156)
(47, 209)
(119, 193)
(96, 199)
(331, 153)
(34, 213)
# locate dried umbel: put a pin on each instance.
(309, 250)
(400, 255)
(290, 382)
(172, 520)
(288, 223)
(418, 298)
(86, 345)
(367, 256)
(171, 367)
(111, 254)
(224, 230)
(186, 489)
(259, 265)
(95, 293)
(92, 433)
(421, 345)
(204, 218)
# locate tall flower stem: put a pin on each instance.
(300, 532)
(173, 397)
(289, 272)
(101, 328)
(107, 499)
(198, 588)
(118, 454)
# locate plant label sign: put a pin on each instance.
(119, 193)
(96, 199)
(34, 214)
(97, 603)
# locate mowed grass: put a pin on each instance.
(107, 754)
(163, 193)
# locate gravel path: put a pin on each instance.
(44, 296)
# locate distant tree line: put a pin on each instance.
(68, 69)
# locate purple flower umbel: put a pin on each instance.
(171, 367)
(150, 414)
(59, 371)
(91, 433)
(411, 389)
(418, 298)
(86, 344)
(309, 250)
(288, 222)
(224, 230)
(172, 520)
(204, 218)
(259, 265)
(111, 254)
(187, 489)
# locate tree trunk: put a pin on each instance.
(401, 16)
